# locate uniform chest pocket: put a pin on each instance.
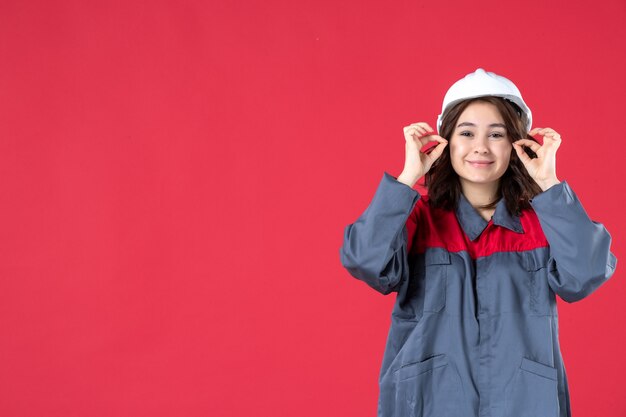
(432, 273)
(537, 266)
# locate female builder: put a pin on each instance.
(477, 262)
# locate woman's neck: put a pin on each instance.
(479, 194)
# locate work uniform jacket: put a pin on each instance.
(474, 328)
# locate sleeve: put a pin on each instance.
(375, 247)
(580, 248)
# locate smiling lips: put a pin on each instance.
(480, 164)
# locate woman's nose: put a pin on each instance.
(481, 144)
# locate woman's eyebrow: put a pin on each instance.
(473, 125)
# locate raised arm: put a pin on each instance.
(375, 247)
(580, 248)
(580, 255)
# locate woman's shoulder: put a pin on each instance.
(429, 214)
(424, 203)
(531, 224)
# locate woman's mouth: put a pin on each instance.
(480, 164)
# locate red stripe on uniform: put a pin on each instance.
(440, 228)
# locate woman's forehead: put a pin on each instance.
(481, 113)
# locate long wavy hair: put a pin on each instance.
(515, 185)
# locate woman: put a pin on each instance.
(477, 263)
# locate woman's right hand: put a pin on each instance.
(418, 163)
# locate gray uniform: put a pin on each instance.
(474, 328)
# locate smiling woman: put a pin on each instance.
(480, 152)
(482, 128)
(477, 263)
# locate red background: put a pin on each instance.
(176, 177)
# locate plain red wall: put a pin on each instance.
(176, 178)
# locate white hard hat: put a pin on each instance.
(481, 83)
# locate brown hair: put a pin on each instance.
(516, 185)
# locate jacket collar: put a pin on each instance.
(473, 224)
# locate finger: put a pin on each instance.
(432, 144)
(544, 131)
(428, 148)
(552, 134)
(411, 135)
(522, 155)
(433, 141)
(534, 146)
(424, 126)
(420, 137)
(421, 129)
(554, 138)
(413, 130)
(427, 126)
(551, 138)
(420, 125)
(537, 134)
(416, 129)
(436, 151)
(428, 133)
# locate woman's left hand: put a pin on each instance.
(543, 168)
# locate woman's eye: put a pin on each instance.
(469, 134)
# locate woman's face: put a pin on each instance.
(479, 147)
